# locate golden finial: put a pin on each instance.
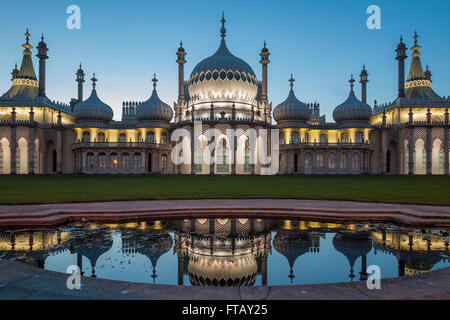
(292, 80)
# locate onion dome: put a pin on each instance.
(292, 109)
(223, 77)
(153, 246)
(353, 246)
(25, 86)
(154, 109)
(420, 262)
(93, 245)
(352, 109)
(418, 84)
(223, 271)
(292, 244)
(93, 109)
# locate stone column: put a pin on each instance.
(13, 149)
(264, 270)
(446, 144)
(180, 269)
(213, 153)
(384, 150)
(31, 151)
(235, 139)
(428, 143)
(59, 145)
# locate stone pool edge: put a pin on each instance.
(48, 215)
(19, 281)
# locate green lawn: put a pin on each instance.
(51, 189)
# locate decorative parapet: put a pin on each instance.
(326, 145)
(121, 145)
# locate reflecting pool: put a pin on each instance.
(231, 251)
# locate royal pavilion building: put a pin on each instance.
(223, 111)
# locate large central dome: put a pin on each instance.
(223, 77)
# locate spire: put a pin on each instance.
(94, 80)
(415, 70)
(351, 82)
(154, 80)
(223, 31)
(292, 80)
(27, 44)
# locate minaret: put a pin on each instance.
(42, 55)
(14, 73)
(363, 80)
(428, 74)
(80, 79)
(181, 54)
(401, 57)
(264, 61)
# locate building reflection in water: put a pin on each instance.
(232, 251)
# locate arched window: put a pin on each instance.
(282, 138)
(101, 137)
(323, 138)
(114, 160)
(355, 163)
(86, 137)
(308, 162)
(122, 137)
(222, 157)
(331, 161)
(319, 159)
(306, 137)
(164, 163)
(90, 161)
(344, 137)
(102, 161)
(343, 162)
(359, 137)
(150, 137)
(125, 160)
(163, 138)
(295, 137)
(137, 160)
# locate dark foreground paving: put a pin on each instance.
(20, 281)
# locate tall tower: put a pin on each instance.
(363, 80)
(264, 61)
(181, 54)
(401, 57)
(42, 55)
(80, 79)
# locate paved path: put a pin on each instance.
(20, 281)
(51, 214)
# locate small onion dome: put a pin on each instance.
(420, 262)
(93, 109)
(352, 246)
(352, 109)
(154, 109)
(292, 109)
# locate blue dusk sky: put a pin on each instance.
(321, 42)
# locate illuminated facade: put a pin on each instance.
(40, 136)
